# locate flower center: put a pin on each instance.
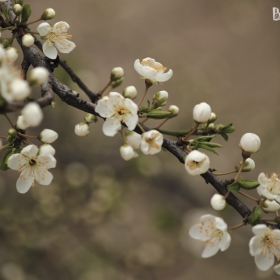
(149, 63)
(32, 162)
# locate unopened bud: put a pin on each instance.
(250, 143)
(89, 118)
(201, 112)
(17, 8)
(28, 40)
(160, 99)
(12, 132)
(12, 54)
(116, 83)
(117, 73)
(38, 76)
(82, 129)
(49, 13)
(130, 92)
(174, 110)
(218, 202)
(213, 117)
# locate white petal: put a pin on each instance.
(111, 126)
(210, 250)
(220, 224)
(163, 77)
(61, 26)
(47, 160)
(104, 107)
(65, 46)
(29, 151)
(16, 161)
(277, 269)
(44, 178)
(255, 246)
(196, 233)
(43, 28)
(115, 97)
(138, 67)
(24, 184)
(225, 242)
(264, 262)
(259, 229)
(149, 73)
(262, 179)
(49, 50)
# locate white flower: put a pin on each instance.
(17, 8)
(151, 142)
(49, 13)
(19, 89)
(130, 92)
(48, 136)
(250, 143)
(269, 187)
(21, 123)
(46, 149)
(148, 68)
(277, 268)
(264, 246)
(12, 54)
(117, 73)
(127, 152)
(201, 112)
(133, 139)
(28, 40)
(249, 165)
(117, 109)
(38, 76)
(56, 38)
(32, 167)
(271, 206)
(212, 230)
(82, 129)
(174, 110)
(197, 163)
(32, 114)
(218, 202)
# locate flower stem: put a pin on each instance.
(28, 136)
(102, 91)
(237, 226)
(224, 173)
(31, 22)
(144, 94)
(9, 120)
(248, 196)
(193, 130)
(162, 123)
(239, 171)
(139, 125)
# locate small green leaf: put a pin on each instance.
(234, 187)
(256, 215)
(228, 128)
(224, 136)
(248, 184)
(26, 12)
(212, 145)
(144, 109)
(207, 148)
(158, 114)
(205, 138)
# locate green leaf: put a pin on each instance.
(224, 136)
(234, 187)
(144, 109)
(158, 114)
(248, 184)
(228, 128)
(207, 148)
(26, 12)
(212, 145)
(4, 165)
(256, 215)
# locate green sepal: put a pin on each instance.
(255, 216)
(26, 12)
(144, 109)
(234, 187)
(158, 114)
(248, 184)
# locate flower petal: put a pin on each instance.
(264, 262)
(104, 107)
(65, 46)
(16, 161)
(210, 250)
(43, 28)
(225, 242)
(163, 77)
(47, 161)
(24, 183)
(29, 151)
(138, 67)
(255, 246)
(111, 126)
(49, 50)
(44, 178)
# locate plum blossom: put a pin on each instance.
(212, 230)
(117, 110)
(197, 163)
(149, 69)
(218, 202)
(264, 246)
(127, 152)
(201, 112)
(151, 142)
(269, 187)
(82, 129)
(56, 38)
(250, 143)
(33, 166)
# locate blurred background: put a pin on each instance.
(106, 219)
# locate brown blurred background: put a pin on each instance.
(106, 219)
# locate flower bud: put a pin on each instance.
(201, 112)
(21, 123)
(117, 73)
(271, 206)
(250, 143)
(46, 149)
(32, 114)
(5, 42)
(48, 136)
(19, 89)
(197, 163)
(160, 99)
(133, 139)
(28, 40)
(174, 110)
(89, 118)
(213, 117)
(17, 8)
(116, 83)
(249, 165)
(130, 92)
(12, 54)
(218, 202)
(38, 76)
(82, 129)
(12, 132)
(127, 152)
(49, 13)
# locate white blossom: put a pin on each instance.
(151, 142)
(130, 92)
(174, 110)
(201, 112)
(19, 89)
(271, 206)
(197, 163)
(117, 73)
(46, 149)
(212, 230)
(249, 165)
(21, 123)
(32, 167)
(117, 110)
(38, 76)
(48, 136)
(32, 114)
(56, 38)
(28, 40)
(250, 143)
(127, 152)
(218, 202)
(277, 268)
(133, 139)
(12, 54)
(148, 68)
(48, 14)
(264, 246)
(17, 8)
(82, 129)
(269, 187)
